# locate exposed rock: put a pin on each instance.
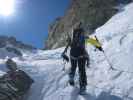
(14, 50)
(4, 41)
(12, 45)
(15, 83)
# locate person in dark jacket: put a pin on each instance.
(78, 56)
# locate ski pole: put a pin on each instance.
(111, 67)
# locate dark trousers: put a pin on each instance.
(82, 73)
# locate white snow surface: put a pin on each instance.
(51, 81)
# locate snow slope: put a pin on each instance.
(51, 81)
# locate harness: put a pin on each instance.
(79, 57)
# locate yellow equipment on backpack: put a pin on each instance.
(93, 41)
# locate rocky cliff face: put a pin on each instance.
(93, 13)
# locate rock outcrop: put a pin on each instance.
(93, 13)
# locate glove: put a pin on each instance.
(65, 57)
(87, 61)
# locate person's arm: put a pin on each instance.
(69, 43)
(63, 55)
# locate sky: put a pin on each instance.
(30, 21)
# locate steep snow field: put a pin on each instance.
(51, 81)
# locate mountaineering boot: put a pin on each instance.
(71, 81)
(82, 90)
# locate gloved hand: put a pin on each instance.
(87, 61)
(65, 57)
(100, 48)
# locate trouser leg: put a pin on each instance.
(73, 68)
(82, 73)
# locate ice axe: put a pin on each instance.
(111, 67)
(65, 60)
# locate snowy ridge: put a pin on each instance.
(51, 81)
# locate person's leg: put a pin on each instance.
(72, 71)
(82, 73)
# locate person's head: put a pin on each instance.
(78, 25)
(79, 28)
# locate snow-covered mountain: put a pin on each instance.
(51, 81)
(9, 46)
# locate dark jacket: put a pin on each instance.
(77, 43)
